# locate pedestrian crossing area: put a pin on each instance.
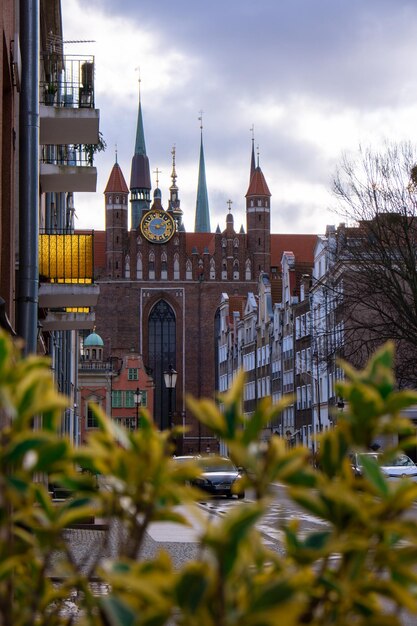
(269, 525)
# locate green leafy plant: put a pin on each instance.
(360, 570)
(92, 148)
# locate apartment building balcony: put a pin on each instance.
(87, 365)
(67, 110)
(67, 167)
(66, 274)
(69, 318)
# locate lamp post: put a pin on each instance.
(170, 378)
(138, 401)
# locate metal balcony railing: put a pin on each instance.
(66, 258)
(93, 365)
(76, 155)
(67, 81)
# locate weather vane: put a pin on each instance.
(137, 69)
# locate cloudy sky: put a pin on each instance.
(316, 78)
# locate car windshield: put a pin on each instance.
(216, 464)
(367, 455)
(401, 460)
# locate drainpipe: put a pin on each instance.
(27, 297)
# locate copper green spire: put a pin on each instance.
(202, 213)
(140, 178)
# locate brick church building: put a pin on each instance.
(161, 287)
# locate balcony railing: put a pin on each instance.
(76, 155)
(68, 81)
(66, 258)
(94, 366)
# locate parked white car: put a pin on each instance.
(401, 466)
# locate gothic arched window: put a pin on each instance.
(139, 268)
(235, 269)
(151, 265)
(212, 269)
(248, 270)
(164, 266)
(162, 354)
(176, 267)
(188, 270)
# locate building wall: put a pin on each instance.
(8, 158)
(122, 317)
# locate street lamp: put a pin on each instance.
(138, 401)
(170, 378)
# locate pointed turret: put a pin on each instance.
(140, 178)
(116, 196)
(258, 218)
(174, 202)
(116, 182)
(202, 213)
(252, 162)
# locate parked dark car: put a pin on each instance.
(218, 475)
(401, 466)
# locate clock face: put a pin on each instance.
(157, 226)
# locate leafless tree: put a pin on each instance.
(376, 253)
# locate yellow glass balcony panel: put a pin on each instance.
(77, 309)
(66, 258)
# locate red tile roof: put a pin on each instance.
(302, 246)
(257, 185)
(200, 241)
(116, 182)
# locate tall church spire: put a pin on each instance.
(174, 200)
(252, 162)
(202, 213)
(140, 178)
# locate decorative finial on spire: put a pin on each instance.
(201, 120)
(115, 149)
(257, 155)
(137, 69)
(252, 130)
(229, 203)
(174, 173)
(157, 172)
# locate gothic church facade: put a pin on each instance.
(161, 287)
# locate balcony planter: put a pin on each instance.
(50, 93)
